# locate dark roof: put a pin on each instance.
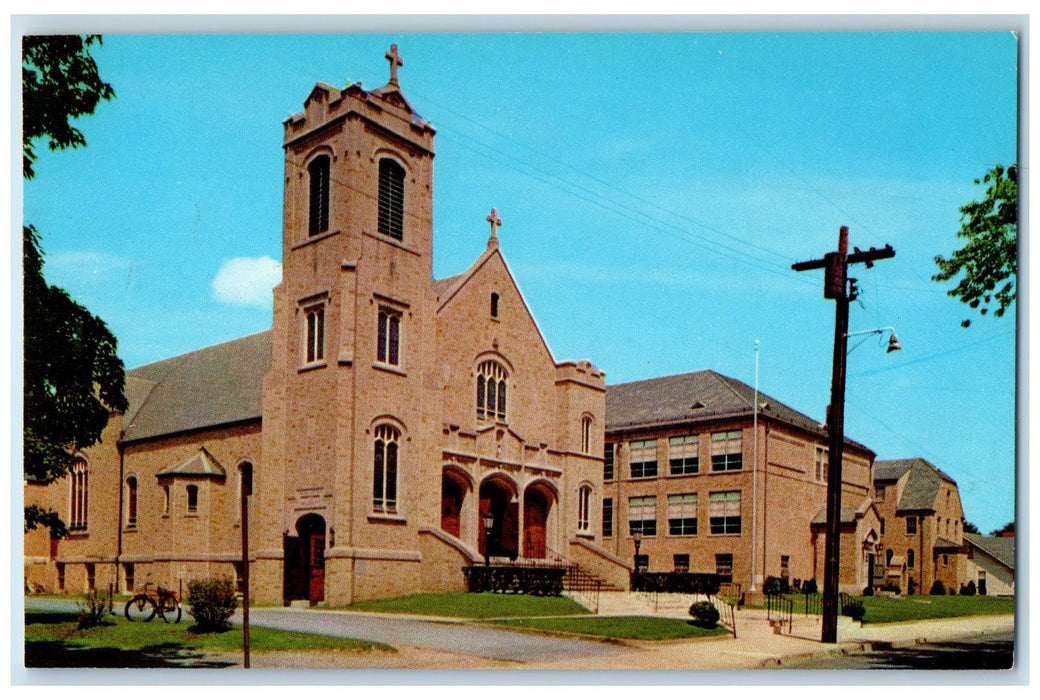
(1000, 548)
(695, 396)
(848, 516)
(218, 385)
(922, 484)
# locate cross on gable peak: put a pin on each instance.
(495, 222)
(395, 62)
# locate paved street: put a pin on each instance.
(450, 636)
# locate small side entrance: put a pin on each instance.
(304, 561)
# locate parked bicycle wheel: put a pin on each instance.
(139, 609)
(169, 609)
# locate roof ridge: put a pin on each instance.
(726, 381)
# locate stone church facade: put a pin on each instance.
(383, 414)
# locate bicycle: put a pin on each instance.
(144, 606)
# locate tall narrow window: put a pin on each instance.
(909, 558)
(682, 514)
(315, 333)
(911, 525)
(128, 574)
(642, 458)
(586, 435)
(384, 470)
(193, 498)
(318, 173)
(608, 461)
(391, 198)
(166, 499)
(91, 576)
(494, 304)
(389, 340)
(491, 390)
(642, 515)
(724, 512)
(584, 501)
(131, 501)
(726, 451)
(682, 455)
(78, 496)
(608, 517)
(822, 459)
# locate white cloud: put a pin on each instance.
(247, 281)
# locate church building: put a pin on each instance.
(383, 416)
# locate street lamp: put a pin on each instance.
(893, 341)
(488, 519)
(637, 539)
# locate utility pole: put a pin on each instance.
(247, 491)
(837, 286)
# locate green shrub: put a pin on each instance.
(704, 614)
(911, 586)
(212, 602)
(892, 588)
(92, 609)
(776, 586)
(854, 609)
(810, 587)
(968, 588)
(938, 588)
(868, 590)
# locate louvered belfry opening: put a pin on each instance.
(318, 171)
(391, 198)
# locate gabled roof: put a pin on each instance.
(446, 289)
(922, 484)
(696, 396)
(202, 463)
(218, 385)
(1000, 548)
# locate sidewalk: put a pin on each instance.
(757, 645)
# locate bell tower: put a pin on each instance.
(348, 329)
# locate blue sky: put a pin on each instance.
(654, 190)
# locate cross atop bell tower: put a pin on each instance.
(395, 62)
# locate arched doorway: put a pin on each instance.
(452, 495)
(304, 569)
(538, 500)
(498, 497)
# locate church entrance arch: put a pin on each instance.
(538, 501)
(454, 489)
(498, 496)
(304, 560)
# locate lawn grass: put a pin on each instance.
(623, 627)
(925, 607)
(56, 637)
(473, 606)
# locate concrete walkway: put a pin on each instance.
(757, 645)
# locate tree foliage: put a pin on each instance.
(73, 376)
(1008, 529)
(60, 82)
(988, 263)
(971, 527)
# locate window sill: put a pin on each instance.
(585, 535)
(643, 478)
(680, 476)
(312, 366)
(191, 515)
(390, 240)
(390, 518)
(314, 239)
(392, 369)
(725, 534)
